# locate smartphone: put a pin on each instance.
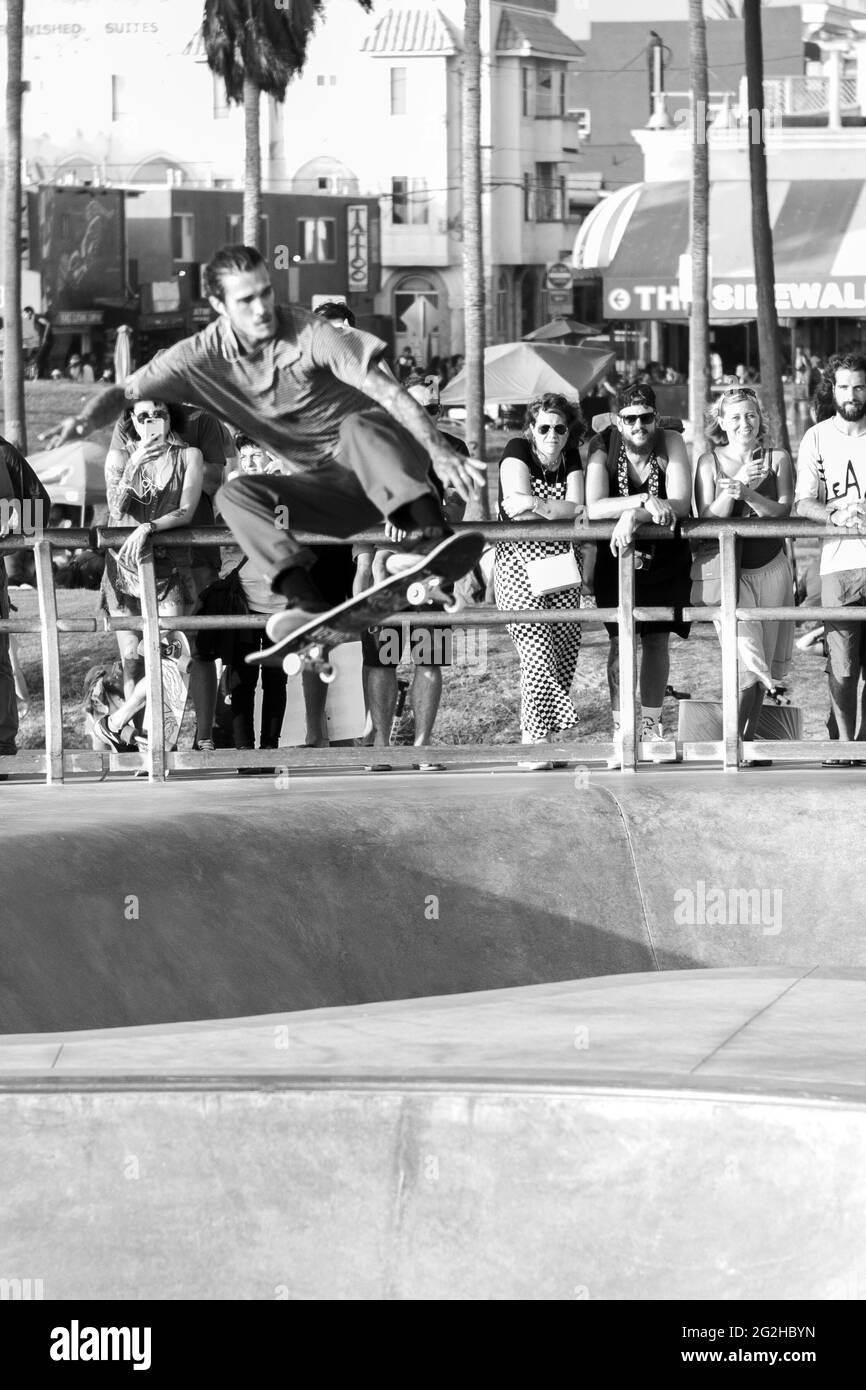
(152, 430)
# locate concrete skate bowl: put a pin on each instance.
(687, 1135)
(125, 905)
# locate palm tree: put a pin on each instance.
(14, 429)
(769, 346)
(258, 46)
(699, 214)
(473, 253)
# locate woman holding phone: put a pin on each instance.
(153, 484)
(741, 477)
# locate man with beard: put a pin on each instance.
(831, 486)
(639, 473)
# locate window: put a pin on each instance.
(398, 91)
(220, 100)
(542, 92)
(182, 236)
(544, 195)
(410, 202)
(235, 231)
(317, 238)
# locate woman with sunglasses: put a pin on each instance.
(635, 474)
(741, 477)
(153, 484)
(541, 477)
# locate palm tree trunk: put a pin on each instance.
(699, 218)
(14, 429)
(473, 256)
(252, 165)
(769, 346)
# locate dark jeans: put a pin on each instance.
(381, 468)
(243, 680)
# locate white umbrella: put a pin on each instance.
(515, 373)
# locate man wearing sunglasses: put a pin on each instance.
(636, 473)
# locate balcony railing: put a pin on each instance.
(805, 96)
(55, 762)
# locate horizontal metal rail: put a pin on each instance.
(56, 761)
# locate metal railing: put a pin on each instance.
(57, 761)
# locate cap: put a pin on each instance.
(639, 394)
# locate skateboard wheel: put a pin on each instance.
(453, 603)
(416, 594)
(292, 664)
(327, 673)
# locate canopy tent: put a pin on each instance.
(558, 328)
(74, 474)
(515, 373)
(637, 239)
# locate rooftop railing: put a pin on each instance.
(57, 761)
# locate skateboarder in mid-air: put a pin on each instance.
(359, 446)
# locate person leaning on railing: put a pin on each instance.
(831, 487)
(639, 473)
(152, 485)
(541, 478)
(741, 477)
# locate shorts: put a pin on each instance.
(846, 642)
(422, 646)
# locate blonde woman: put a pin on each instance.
(742, 477)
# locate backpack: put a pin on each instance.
(223, 597)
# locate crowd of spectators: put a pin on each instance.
(165, 465)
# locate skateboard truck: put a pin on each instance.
(314, 659)
(430, 590)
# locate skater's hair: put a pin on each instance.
(844, 362)
(715, 430)
(568, 409)
(229, 260)
(335, 309)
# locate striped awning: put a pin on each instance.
(636, 238)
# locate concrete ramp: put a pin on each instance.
(123, 904)
(698, 1135)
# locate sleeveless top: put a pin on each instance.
(545, 483)
(757, 553)
(146, 503)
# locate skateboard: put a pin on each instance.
(308, 647)
(175, 657)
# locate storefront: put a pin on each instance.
(637, 241)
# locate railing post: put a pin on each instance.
(730, 688)
(50, 640)
(627, 657)
(152, 668)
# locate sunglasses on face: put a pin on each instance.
(645, 419)
(151, 415)
(557, 429)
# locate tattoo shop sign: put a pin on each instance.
(737, 299)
